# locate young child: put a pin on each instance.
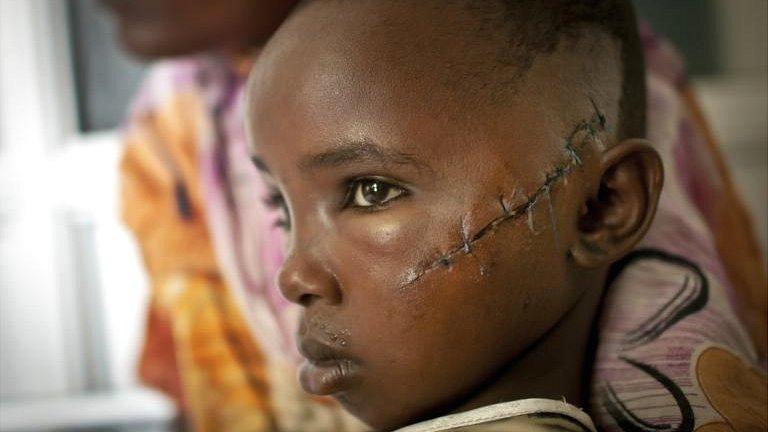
(457, 178)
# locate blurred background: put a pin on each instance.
(72, 289)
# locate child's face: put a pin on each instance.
(413, 297)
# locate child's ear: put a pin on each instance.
(615, 218)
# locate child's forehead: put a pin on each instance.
(431, 133)
(374, 45)
(317, 109)
(407, 81)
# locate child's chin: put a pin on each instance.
(377, 416)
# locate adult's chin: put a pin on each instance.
(149, 43)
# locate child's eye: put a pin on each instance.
(371, 192)
(276, 201)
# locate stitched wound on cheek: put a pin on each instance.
(592, 127)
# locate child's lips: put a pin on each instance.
(327, 370)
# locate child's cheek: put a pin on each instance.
(387, 234)
(390, 242)
(391, 232)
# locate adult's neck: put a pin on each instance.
(559, 365)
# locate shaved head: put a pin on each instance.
(530, 28)
(502, 39)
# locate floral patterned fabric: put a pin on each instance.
(681, 336)
(212, 343)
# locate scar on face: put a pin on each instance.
(591, 127)
(332, 335)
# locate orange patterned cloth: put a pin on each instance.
(199, 348)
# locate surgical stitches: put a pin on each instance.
(591, 127)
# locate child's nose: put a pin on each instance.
(303, 279)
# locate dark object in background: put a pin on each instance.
(105, 78)
(691, 25)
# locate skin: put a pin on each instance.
(160, 28)
(366, 102)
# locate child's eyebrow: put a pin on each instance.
(356, 152)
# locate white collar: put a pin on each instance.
(501, 411)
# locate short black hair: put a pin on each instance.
(537, 26)
(529, 28)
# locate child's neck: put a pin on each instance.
(556, 366)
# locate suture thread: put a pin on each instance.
(591, 127)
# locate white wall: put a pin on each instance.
(32, 355)
(72, 292)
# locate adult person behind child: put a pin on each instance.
(183, 160)
(224, 349)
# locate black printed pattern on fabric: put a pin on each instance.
(692, 297)
(559, 421)
(629, 422)
(689, 299)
